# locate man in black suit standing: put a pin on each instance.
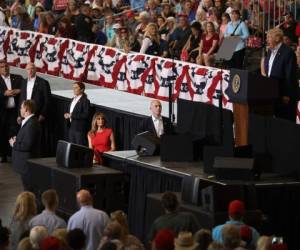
(37, 89)
(281, 64)
(27, 143)
(155, 124)
(77, 115)
(9, 99)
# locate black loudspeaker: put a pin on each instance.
(191, 189)
(215, 198)
(231, 168)
(70, 155)
(146, 144)
(179, 148)
(209, 154)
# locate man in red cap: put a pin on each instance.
(236, 211)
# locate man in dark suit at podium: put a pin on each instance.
(27, 143)
(155, 124)
(281, 64)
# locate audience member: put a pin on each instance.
(173, 219)
(77, 115)
(24, 244)
(166, 9)
(192, 45)
(31, 8)
(62, 234)
(4, 237)
(236, 211)
(92, 221)
(50, 243)
(208, 45)
(48, 218)
(3, 18)
(84, 25)
(215, 246)
(36, 21)
(113, 231)
(264, 243)
(112, 245)
(289, 27)
(203, 238)
(127, 238)
(65, 29)
(10, 85)
(225, 20)
(51, 23)
(25, 209)
(185, 241)
(156, 123)
(26, 144)
(164, 240)
(237, 28)
(151, 41)
(76, 239)
(181, 34)
(37, 235)
(231, 237)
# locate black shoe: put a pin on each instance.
(3, 159)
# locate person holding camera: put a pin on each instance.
(237, 28)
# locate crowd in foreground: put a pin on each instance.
(90, 228)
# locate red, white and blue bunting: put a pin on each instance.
(135, 73)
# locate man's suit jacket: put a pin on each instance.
(284, 69)
(16, 81)
(148, 125)
(80, 114)
(41, 95)
(27, 145)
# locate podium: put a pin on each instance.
(252, 93)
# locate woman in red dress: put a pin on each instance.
(101, 139)
(208, 45)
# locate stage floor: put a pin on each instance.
(10, 188)
(111, 98)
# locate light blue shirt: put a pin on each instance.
(217, 232)
(49, 220)
(92, 222)
(242, 31)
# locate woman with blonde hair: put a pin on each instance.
(61, 234)
(151, 41)
(37, 234)
(101, 139)
(127, 239)
(25, 244)
(25, 209)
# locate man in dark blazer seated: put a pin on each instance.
(155, 124)
(77, 115)
(281, 64)
(26, 144)
(10, 85)
(37, 89)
